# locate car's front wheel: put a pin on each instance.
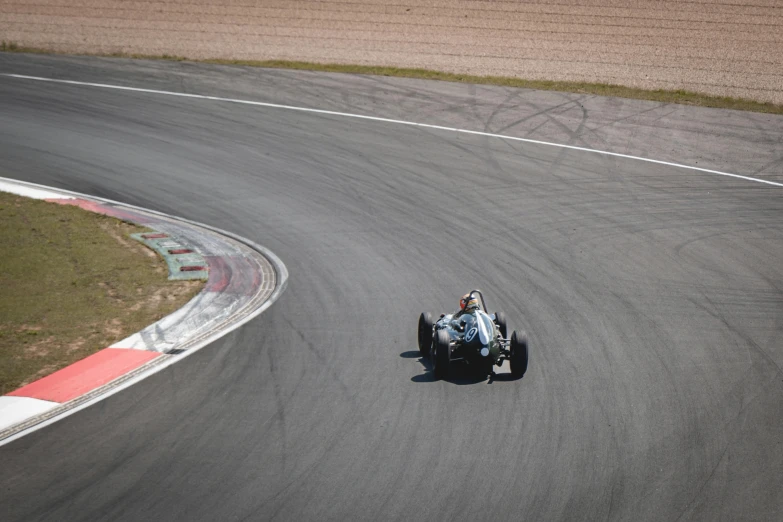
(440, 354)
(519, 355)
(425, 333)
(500, 320)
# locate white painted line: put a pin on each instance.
(14, 410)
(30, 192)
(388, 120)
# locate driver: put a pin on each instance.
(467, 303)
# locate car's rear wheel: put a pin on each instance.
(440, 354)
(500, 320)
(519, 355)
(425, 333)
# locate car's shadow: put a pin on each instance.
(459, 374)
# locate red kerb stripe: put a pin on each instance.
(86, 375)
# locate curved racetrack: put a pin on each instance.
(652, 295)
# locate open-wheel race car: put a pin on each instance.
(472, 336)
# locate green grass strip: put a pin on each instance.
(599, 89)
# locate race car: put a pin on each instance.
(472, 336)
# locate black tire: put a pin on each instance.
(519, 355)
(500, 320)
(425, 333)
(440, 354)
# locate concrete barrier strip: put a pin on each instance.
(183, 262)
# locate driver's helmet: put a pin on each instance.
(468, 302)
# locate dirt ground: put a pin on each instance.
(720, 47)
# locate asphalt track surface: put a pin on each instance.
(653, 298)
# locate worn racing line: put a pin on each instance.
(652, 296)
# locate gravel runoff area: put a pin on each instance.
(719, 47)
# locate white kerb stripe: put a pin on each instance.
(14, 410)
(30, 192)
(387, 120)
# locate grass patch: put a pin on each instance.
(600, 89)
(71, 283)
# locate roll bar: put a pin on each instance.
(481, 296)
